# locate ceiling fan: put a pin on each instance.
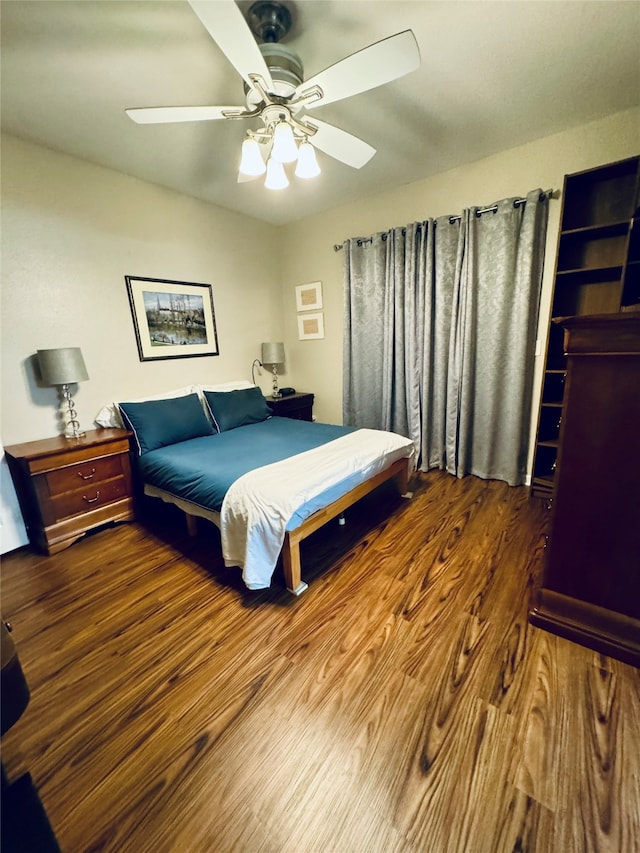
(277, 94)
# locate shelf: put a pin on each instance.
(543, 484)
(598, 273)
(634, 243)
(631, 287)
(602, 195)
(545, 464)
(588, 292)
(553, 388)
(602, 229)
(542, 487)
(544, 479)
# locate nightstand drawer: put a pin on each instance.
(84, 474)
(298, 406)
(93, 496)
(302, 414)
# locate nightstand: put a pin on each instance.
(298, 406)
(69, 486)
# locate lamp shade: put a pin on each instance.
(284, 144)
(62, 366)
(252, 163)
(276, 178)
(307, 163)
(273, 353)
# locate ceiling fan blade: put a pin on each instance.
(372, 66)
(339, 144)
(165, 115)
(227, 27)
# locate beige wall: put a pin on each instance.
(71, 231)
(308, 253)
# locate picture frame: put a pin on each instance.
(311, 326)
(309, 296)
(172, 319)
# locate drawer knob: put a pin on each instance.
(88, 476)
(91, 500)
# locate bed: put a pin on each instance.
(266, 482)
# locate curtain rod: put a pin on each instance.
(491, 209)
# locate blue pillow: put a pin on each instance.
(157, 423)
(230, 409)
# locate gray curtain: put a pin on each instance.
(440, 322)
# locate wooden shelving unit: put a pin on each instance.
(597, 272)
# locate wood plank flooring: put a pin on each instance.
(403, 703)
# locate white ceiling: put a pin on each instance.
(494, 75)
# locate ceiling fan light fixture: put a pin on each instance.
(251, 163)
(277, 93)
(276, 176)
(284, 148)
(307, 165)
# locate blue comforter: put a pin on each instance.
(201, 470)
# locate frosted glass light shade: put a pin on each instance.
(307, 166)
(251, 163)
(273, 353)
(276, 177)
(62, 366)
(284, 145)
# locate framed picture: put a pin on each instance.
(309, 296)
(310, 326)
(172, 319)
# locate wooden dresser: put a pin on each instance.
(69, 486)
(590, 591)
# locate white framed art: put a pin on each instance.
(310, 326)
(309, 296)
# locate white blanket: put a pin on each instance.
(259, 505)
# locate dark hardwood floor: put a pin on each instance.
(403, 703)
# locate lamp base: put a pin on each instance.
(70, 416)
(276, 391)
(71, 435)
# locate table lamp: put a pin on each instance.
(62, 367)
(273, 353)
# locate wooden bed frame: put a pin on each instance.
(290, 553)
(291, 547)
